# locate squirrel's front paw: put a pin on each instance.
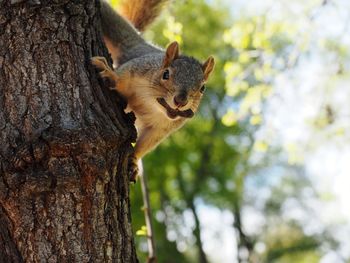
(100, 63)
(106, 71)
(133, 169)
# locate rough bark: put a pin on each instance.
(64, 139)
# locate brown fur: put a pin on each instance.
(113, 50)
(147, 75)
(141, 13)
(208, 67)
(171, 53)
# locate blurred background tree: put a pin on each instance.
(237, 183)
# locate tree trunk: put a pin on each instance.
(243, 241)
(197, 233)
(64, 139)
(189, 198)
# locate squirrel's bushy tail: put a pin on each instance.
(141, 13)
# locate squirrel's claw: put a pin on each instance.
(102, 64)
(133, 169)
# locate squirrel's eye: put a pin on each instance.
(166, 74)
(202, 89)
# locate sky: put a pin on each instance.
(305, 91)
(300, 96)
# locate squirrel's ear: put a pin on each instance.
(208, 67)
(171, 53)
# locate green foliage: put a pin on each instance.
(209, 160)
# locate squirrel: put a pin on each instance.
(162, 87)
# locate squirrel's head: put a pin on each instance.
(183, 81)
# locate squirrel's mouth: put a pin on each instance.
(173, 113)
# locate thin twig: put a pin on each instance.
(148, 219)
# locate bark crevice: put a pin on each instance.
(65, 139)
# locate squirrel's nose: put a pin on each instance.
(180, 100)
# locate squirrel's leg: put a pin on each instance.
(120, 76)
(146, 141)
